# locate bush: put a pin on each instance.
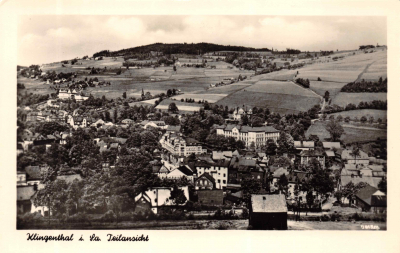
(245, 213)
(325, 217)
(223, 226)
(78, 218)
(319, 79)
(28, 218)
(109, 216)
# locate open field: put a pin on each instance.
(376, 70)
(279, 103)
(35, 86)
(366, 112)
(225, 90)
(320, 87)
(182, 106)
(352, 134)
(277, 87)
(282, 75)
(344, 98)
(209, 97)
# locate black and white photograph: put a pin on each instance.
(192, 122)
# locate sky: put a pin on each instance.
(52, 38)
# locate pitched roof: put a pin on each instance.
(33, 172)
(208, 176)
(311, 153)
(174, 128)
(218, 155)
(330, 153)
(25, 192)
(346, 154)
(279, 172)
(372, 181)
(304, 144)
(331, 145)
(185, 170)
(268, 203)
(365, 194)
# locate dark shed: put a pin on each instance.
(268, 212)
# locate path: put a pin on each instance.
(365, 70)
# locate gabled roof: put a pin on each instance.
(218, 155)
(304, 144)
(330, 153)
(268, 203)
(174, 128)
(208, 176)
(311, 153)
(331, 145)
(185, 170)
(365, 194)
(279, 172)
(372, 181)
(69, 178)
(346, 154)
(25, 192)
(33, 172)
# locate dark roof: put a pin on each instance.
(208, 176)
(25, 192)
(156, 168)
(268, 203)
(365, 194)
(185, 170)
(33, 172)
(311, 153)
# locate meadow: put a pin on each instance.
(282, 75)
(377, 114)
(279, 103)
(320, 87)
(344, 98)
(277, 87)
(351, 135)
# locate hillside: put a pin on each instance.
(177, 48)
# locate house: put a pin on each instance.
(79, 121)
(204, 182)
(370, 199)
(157, 198)
(21, 178)
(257, 136)
(176, 144)
(218, 170)
(156, 124)
(218, 155)
(331, 145)
(304, 145)
(238, 113)
(355, 179)
(241, 168)
(173, 129)
(278, 173)
(160, 171)
(349, 158)
(24, 195)
(181, 172)
(307, 155)
(127, 121)
(211, 197)
(268, 212)
(98, 123)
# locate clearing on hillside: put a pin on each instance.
(352, 134)
(377, 114)
(277, 87)
(345, 98)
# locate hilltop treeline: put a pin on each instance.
(177, 48)
(375, 104)
(366, 47)
(366, 86)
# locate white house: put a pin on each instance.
(158, 197)
(349, 158)
(181, 172)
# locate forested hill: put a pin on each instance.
(177, 48)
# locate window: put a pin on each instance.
(224, 175)
(219, 181)
(224, 181)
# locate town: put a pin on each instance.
(204, 136)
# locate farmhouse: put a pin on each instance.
(304, 145)
(79, 121)
(349, 158)
(249, 135)
(176, 144)
(239, 112)
(204, 182)
(370, 199)
(71, 94)
(181, 172)
(218, 170)
(24, 194)
(155, 124)
(268, 212)
(307, 155)
(157, 197)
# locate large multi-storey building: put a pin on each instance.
(256, 135)
(176, 144)
(218, 170)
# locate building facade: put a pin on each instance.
(180, 146)
(249, 135)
